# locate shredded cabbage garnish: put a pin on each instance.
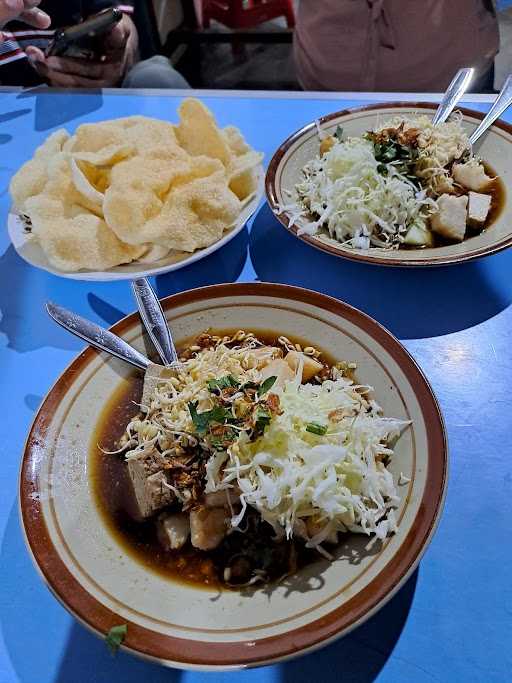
(358, 205)
(314, 467)
(363, 201)
(315, 485)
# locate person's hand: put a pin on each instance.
(119, 50)
(24, 10)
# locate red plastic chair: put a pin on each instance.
(245, 14)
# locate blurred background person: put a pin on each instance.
(23, 61)
(503, 61)
(394, 45)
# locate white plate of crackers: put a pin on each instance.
(134, 197)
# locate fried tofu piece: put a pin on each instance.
(150, 492)
(450, 219)
(479, 206)
(419, 237)
(311, 366)
(155, 375)
(471, 175)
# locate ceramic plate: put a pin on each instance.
(29, 249)
(190, 627)
(284, 172)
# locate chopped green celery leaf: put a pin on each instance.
(115, 637)
(223, 383)
(262, 418)
(203, 420)
(267, 384)
(315, 428)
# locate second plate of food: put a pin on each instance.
(265, 499)
(380, 184)
(134, 197)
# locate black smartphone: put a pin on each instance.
(81, 41)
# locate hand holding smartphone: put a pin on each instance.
(83, 41)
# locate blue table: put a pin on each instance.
(452, 621)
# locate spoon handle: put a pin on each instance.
(456, 89)
(154, 320)
(97, 336)
(502, 102)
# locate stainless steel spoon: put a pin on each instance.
(155, 321)
(502, 102)
(97, 336)
(456, 89)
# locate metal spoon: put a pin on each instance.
(155, 321)
(456, 89)
(97, 336)
(502, 102)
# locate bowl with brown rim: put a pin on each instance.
(102, 584)
(495, 147)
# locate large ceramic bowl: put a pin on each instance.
(180, 625)
(284, 172)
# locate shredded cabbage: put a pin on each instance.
(364, 202)
(317, 468)
(313, 484)
(357, 204)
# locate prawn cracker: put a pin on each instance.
(32, 177)
(73, 238)
(199, 134)
(243, 174)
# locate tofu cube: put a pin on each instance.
(310, 368)
(471, 175)
(280, 369)
(450, 219)
(479, 206)
(150, 492)
(418, 237)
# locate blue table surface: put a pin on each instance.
(452, 621)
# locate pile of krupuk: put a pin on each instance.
(135, 189)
